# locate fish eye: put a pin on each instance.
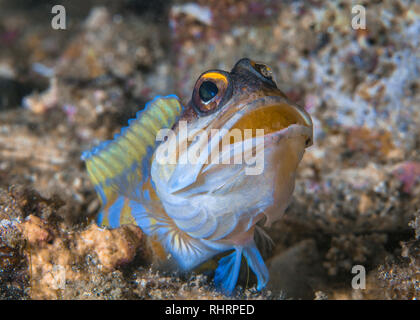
(211, 91)
(207, 91)
(264, 70)
(260, 70)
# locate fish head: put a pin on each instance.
(235, 148)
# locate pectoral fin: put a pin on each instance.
(256, 263)
(227, 272)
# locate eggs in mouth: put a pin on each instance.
(272, 119)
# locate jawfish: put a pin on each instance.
(199, 178)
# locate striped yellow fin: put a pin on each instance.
(119, 167)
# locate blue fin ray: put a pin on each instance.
(227, 272)
(257, 265)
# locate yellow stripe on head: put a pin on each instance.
(215, 75)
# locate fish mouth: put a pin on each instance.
(277, 117)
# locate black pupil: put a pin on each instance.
(207, 91)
